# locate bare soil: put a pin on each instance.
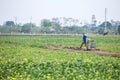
(92, 51)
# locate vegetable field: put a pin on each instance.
(28, 57)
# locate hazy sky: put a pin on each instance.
(39, 9)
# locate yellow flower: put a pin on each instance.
(97, 72)
(109, 64)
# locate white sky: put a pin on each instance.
(39, 9)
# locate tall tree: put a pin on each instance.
(55, 26)
(119, 29)
(45, 23)
(27, 28)
(9, 23)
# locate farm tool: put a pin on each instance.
(91, 45)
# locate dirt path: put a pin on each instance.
(76, 49)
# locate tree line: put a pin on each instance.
(69, 26)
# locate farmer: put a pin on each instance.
(84, 41)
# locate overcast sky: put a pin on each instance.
(39, 9)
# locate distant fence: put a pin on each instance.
(89, 34)
(13, 33)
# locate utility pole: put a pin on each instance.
(105, 19)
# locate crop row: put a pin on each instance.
(108, 43)
(59, 70)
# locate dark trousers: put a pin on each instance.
(83, 43)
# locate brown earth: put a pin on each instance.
(92, 51)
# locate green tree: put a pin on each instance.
(55, 26)
(9, 23)
(27, 28)
(109, 25)
(45, 23)
(119, 29)
(101, 30)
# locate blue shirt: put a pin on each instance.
(84, 38)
